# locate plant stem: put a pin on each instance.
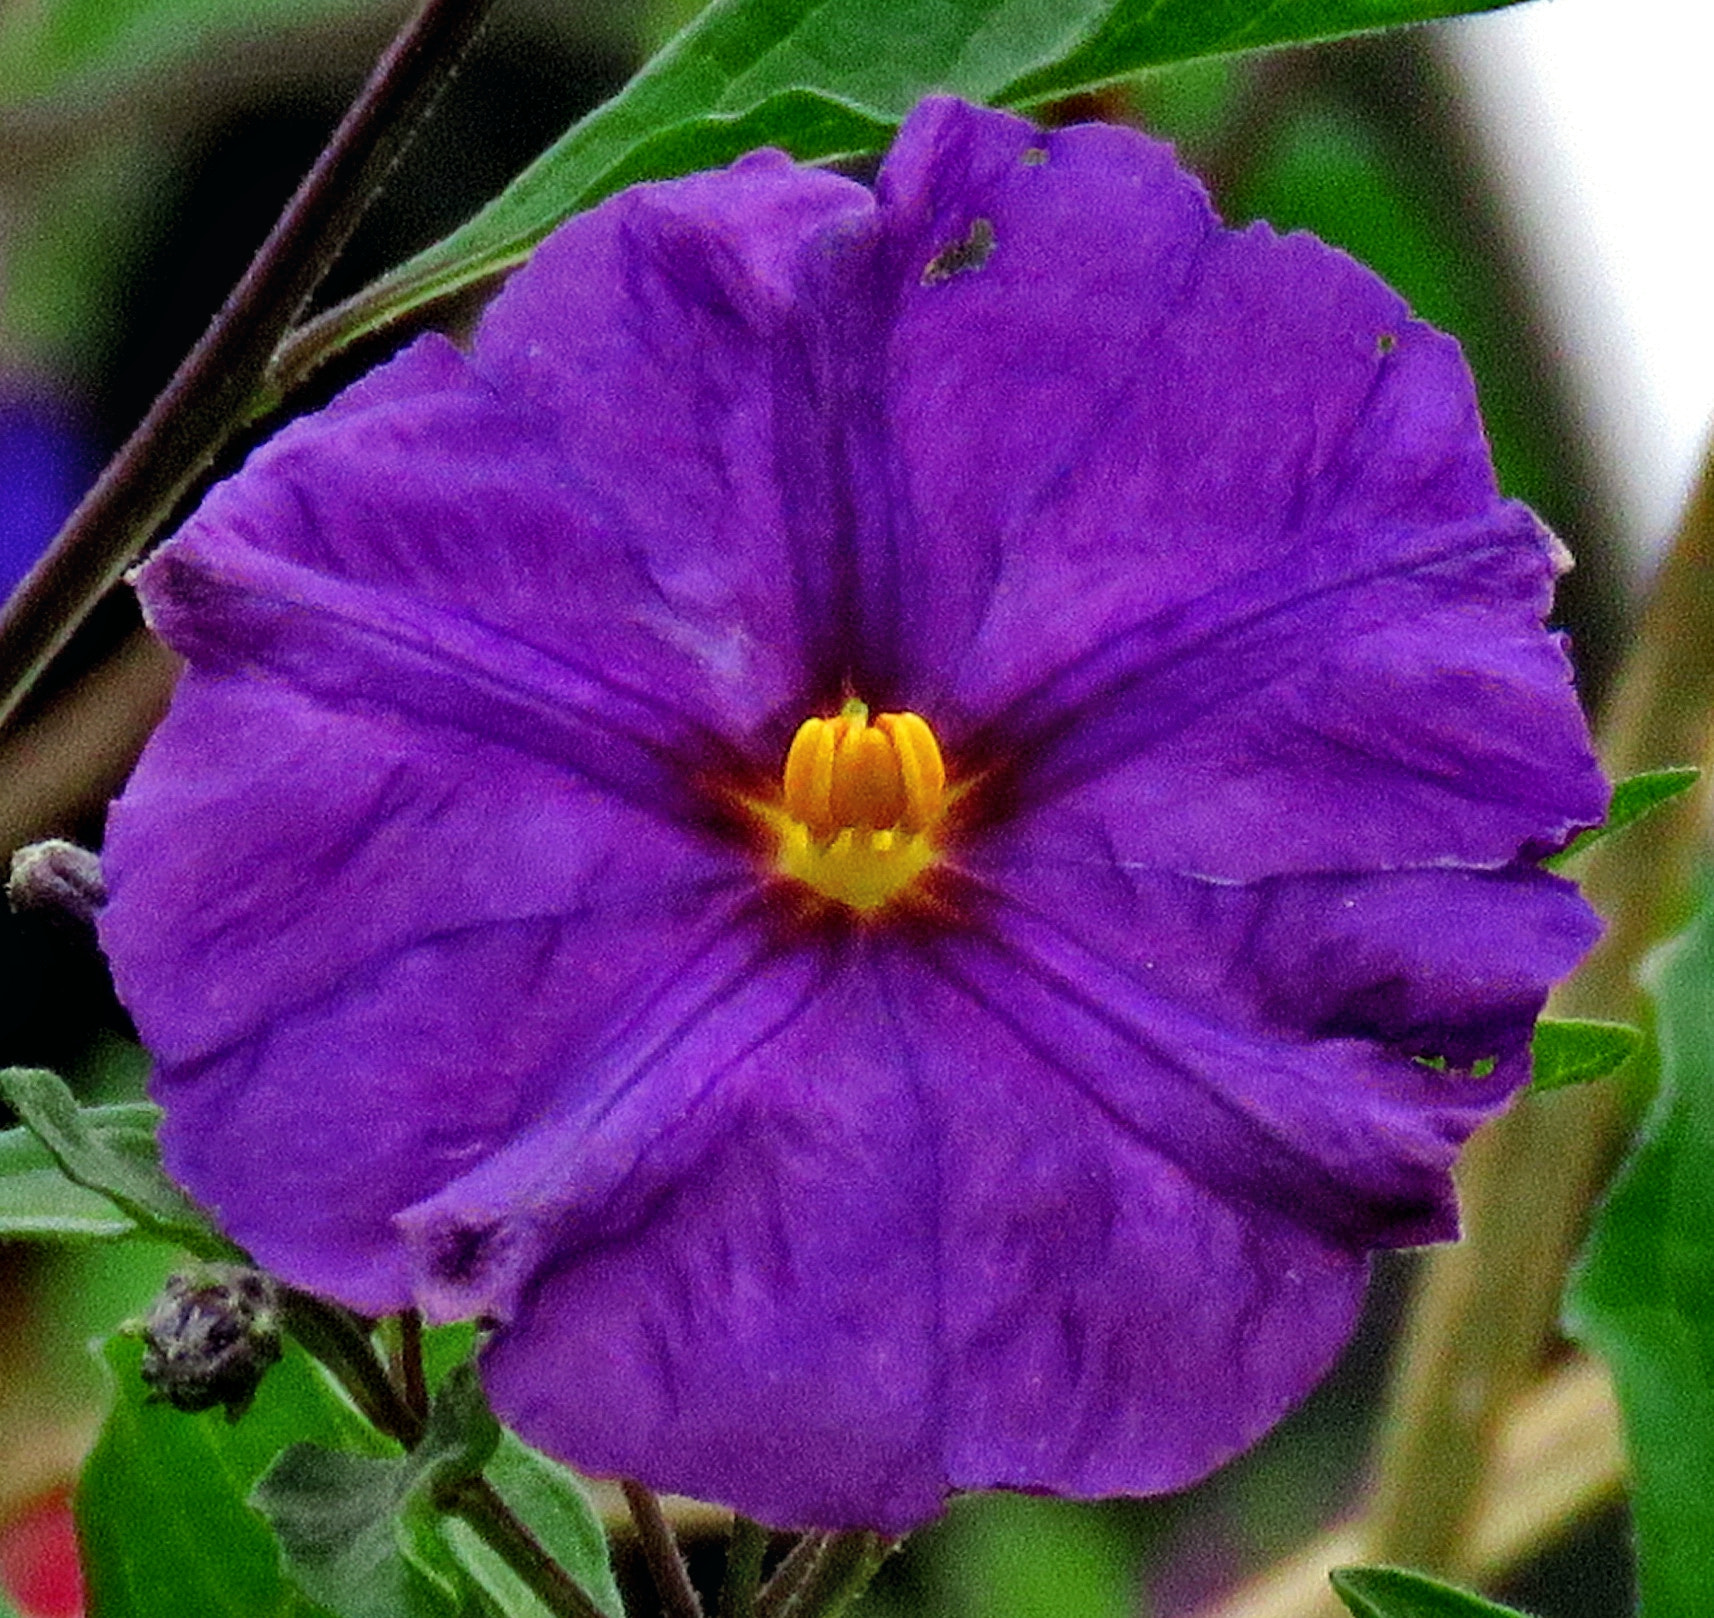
(478, 1503)
(838, 1573)
(1487, 1308)
(341, 1341)
(217, 389)
(790, 1575)
(410, 1368)
(661, 1552)
(745, 1551)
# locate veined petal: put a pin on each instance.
(1203, 513)
(299, 981)
(751, 1314)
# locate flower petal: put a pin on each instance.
(883, 1263)
(364, 955)
(1199, 523)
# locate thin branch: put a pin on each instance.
(341, 1341)
(791, 1575)
(217, 389)
(661, 1552)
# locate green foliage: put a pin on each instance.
(1633, 798)
(162, 1512)
(351, 1527)
(1643, 1294)
(832, 78)
(556, 1509)
(119, 1160)
(38, 1201)
(1390, 1592)
(1574, 1050)
(1127, 37)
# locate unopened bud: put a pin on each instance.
(210, 1337)
(57, 876)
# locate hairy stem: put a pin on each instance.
(661, 1552)
(839, 1572)
(341, 1341)
(217, 389)
(789, 1577)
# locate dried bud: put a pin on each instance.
(210, 1337)
(57, 876)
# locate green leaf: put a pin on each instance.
(1390, 1592)
(556, 1508)
(161, 1508)
(121, 1163)
(1633, 798)
(1642, 1296)
(345, 1522)
(1574, 1050)
(38, 1201)
(1133, 36)
(831, 78)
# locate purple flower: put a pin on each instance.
(822, 1139)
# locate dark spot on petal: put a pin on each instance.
(969, 254)
(1034, 157)
(461, 1254)
(1385, 344)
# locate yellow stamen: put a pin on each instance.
(859, 803)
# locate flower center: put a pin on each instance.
(860, 801)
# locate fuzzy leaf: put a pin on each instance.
(121, 1164)
(342, 1519)
(38, 1202)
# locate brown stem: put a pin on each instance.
(412, 1382)
(217, 388)
(661, 1552)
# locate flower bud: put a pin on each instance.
(210, 1337)
(55, 875)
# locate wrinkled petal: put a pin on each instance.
(444, 903)
(1197, 526)
(335, 1034)
(903, 1255)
